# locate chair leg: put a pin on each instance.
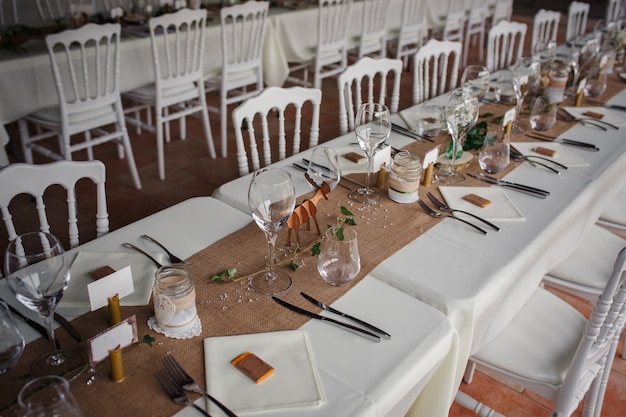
(223, 114)
(90, 148)
(159, 139)
(470, 403)
(27, 152)
(130, 158)
(207, 132)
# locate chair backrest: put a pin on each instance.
(502, 10)
(85, 80)
(53, 9)
(33, 180)
(178, 47)
(505, 44)
(614, 10)
(286, 102)
(14, 19)
(595, 353)
(545, 29)
(332, 36)
(359, 80)
(455, 21)
(432, 73)
(576, 20)
(243, 35)
(412, 27)
(373, 38)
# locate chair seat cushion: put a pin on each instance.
(52, 115)
(147, 93)
(540, 342)
(591, 264)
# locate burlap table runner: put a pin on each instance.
(230, 308)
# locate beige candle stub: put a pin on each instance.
(115, 314)
(579, 98)
(117, 367)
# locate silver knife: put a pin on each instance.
(68, 327)
(344, 326)
(349, 317)
(615, 107)
(514, 187)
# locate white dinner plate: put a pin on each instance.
(501, 208)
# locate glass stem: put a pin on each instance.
(56, 358)
(370, 166)
(271, 243)
(455, 150)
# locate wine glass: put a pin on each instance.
(11, 339)
(461, 113)
(339, 261)
(38, 273)
(324, 167)
(475, 80)
(272, 198)
(48, 395)
(527, 73)
(373, 126)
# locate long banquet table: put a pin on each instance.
(480, 282)
(359, 377)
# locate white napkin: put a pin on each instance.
(141, 267)
(563, 154)
(609, 116)
(295, 382)
(501, 208)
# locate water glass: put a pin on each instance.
(494, 155)
(596, 82)
(339, 261)
(429, 120)
(543, 114)
(48, 395)
(11, 339)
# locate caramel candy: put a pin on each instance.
(545, 151)
(477, 200)
(354, 157)
(253, 367)
(101, 272)
(593, 114)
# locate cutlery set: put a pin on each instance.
(525, 189)
(372, 332)
(173, 258)
(409, 133)
(516, 155)
(564, 141)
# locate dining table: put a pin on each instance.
(481, 281)
(357, 376)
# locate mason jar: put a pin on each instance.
(405, 176)
(174, 297)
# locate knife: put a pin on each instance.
(349, 317)
(68, 327)
(615, 107)
(344, 326)
(409, 133)
(568, 142)
(516, 187)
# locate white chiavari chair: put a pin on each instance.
(576, 20)
(436, 69)
(412, 29)
(476, 28)
(331, 51)
(366, 82)
(177, 41)
(545, 29)
(3, 19)
(52, 9)
(502, 10)
(550, 348)
(505, 44)
(454, 26)
(243, 35)
(614, 10)
(34, 180)
(85, 65)
(373, 38)
(288, 103)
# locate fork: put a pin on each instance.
(138, 249)
(518, 156)
(173, 258)
(186, 382)
(433, 213)
(443, 207)
(175, 393)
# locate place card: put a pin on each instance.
(383, 156)
(119, 282)
(123, 334)
(509, 116)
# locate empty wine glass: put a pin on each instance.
(38, 273)
(324, 167)
(272, 198)
(460, 114)
(527, 73)
(48, 395)
(373, 126)
(11, 339)
(475, 80)
(339, 261)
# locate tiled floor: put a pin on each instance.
(191, 172)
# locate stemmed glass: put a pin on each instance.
(11, 339)
(527, 73)
(272, 198)
(38, 273)
(475, 81)
(461, 113)
(48, 395)
(373, 126)
(324, 167)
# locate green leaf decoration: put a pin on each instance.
(350, 221)
(339, 233)
(315, 250)
(148, 340)
(346, 212)
(476, 137)
(294, 265)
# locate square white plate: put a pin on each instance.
(563, 155)
(501, 208)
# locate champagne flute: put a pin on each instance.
(38, 273)
(373, 126)
(461, 113)
(475, 80)
(48, 395)
(11, 339)
(272, 198)
(324, 167)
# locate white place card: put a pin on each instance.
(119, 282)
(431, 156)
(123, 334)
(581, 85)
(383, 156)
(509, 116)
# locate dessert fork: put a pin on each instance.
(183, 380)
(440, 205)
(433, 213)
(175, 393)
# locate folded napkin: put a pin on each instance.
(501, 208)
(142, 268)
(295, 382)
(609, 116)
(563, 154)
